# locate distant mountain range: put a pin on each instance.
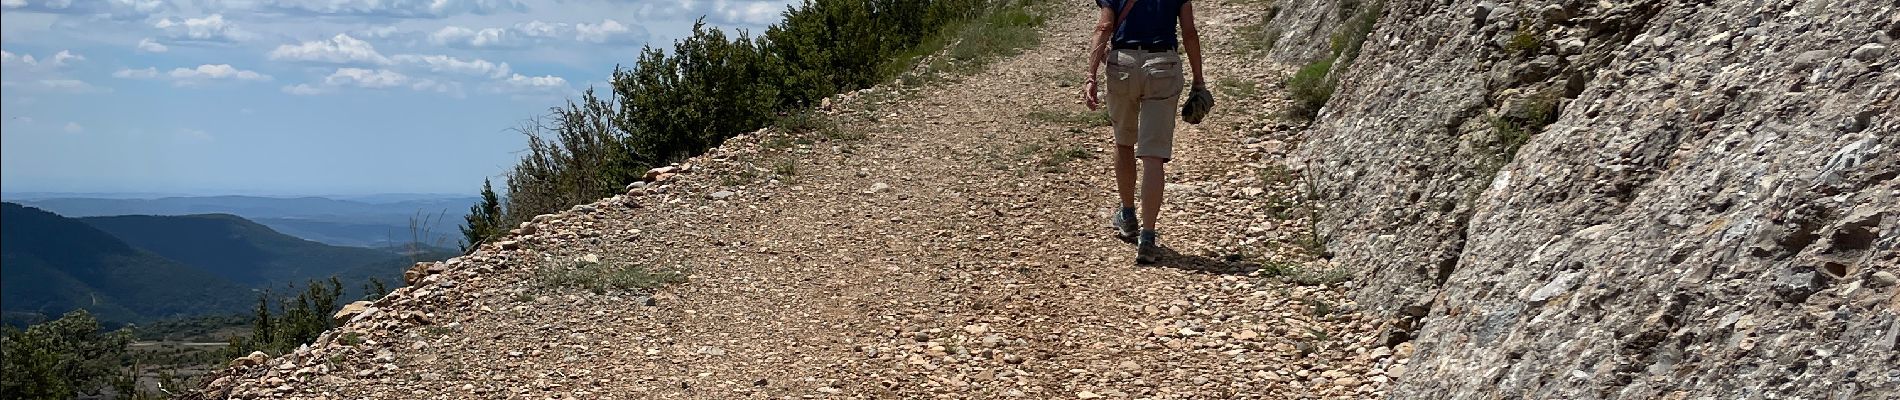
(231, 247)
(364, 221)
(51, 264)
(141, 267)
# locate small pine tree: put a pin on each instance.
(484, 220)
(262, 326)
(375, 289)
(302, 320)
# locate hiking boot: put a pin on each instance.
(1147, 250)
(1125, 223)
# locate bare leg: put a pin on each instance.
(1151, 184)
(1125, 174)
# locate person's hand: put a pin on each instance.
(1088, 95)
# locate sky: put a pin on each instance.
(289, 97)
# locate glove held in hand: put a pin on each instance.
(1198, 103)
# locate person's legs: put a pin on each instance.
(1155, 147)
(1125, 174)
(1155, 143)
(1152, 181)
(1126, 85)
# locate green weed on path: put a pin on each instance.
(600, 277)
(970, 46)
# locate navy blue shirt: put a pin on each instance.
(1150, 23)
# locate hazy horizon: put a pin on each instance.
(11, 195)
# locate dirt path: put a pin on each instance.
(960, 250)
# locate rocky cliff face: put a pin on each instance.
(1300, 31)
(1624, 199)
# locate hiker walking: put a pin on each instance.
(1137, 39)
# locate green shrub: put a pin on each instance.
(1351, 36)
(840, 134)
(1516, 126)
(1311, 87)
(799, 123)
(1346, 8)
(292, 322)
(1294, 273)
(1524, 42)
(1274, 269)
(1057, 159)
(785, 167)
(741, 177)
(1256, 36)
(1236, 88)
(577, 154)
(998, 34)
(59, 359)
(483, 222)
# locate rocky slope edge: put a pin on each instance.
(1624, 199)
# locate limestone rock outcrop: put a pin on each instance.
(1300, 31)
(1623, 199)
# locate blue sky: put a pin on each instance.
(305, 96)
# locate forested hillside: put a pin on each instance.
(239, 250)
(54, 264)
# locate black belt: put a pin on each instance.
(1143, 47)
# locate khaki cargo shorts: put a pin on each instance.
(1143, 88)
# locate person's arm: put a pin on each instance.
(1191, 40)
(1104, 27)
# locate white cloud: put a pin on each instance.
(446, 64)
(431, 85)
(60, 59)
(73, 127)
(379, 32)
(63, 57)
(213, 28)
(484, 38)
(7, 57)
(749, 13)
(151, 46)
(341, 49)
(395, 8)
(46, 74)
(374, 79)
(116, 9)
(531, 32)
(304, 89)
(214, 72)
(719, 12)
(147, 73)
(538, 28)
(534, 84)
(608, 31)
